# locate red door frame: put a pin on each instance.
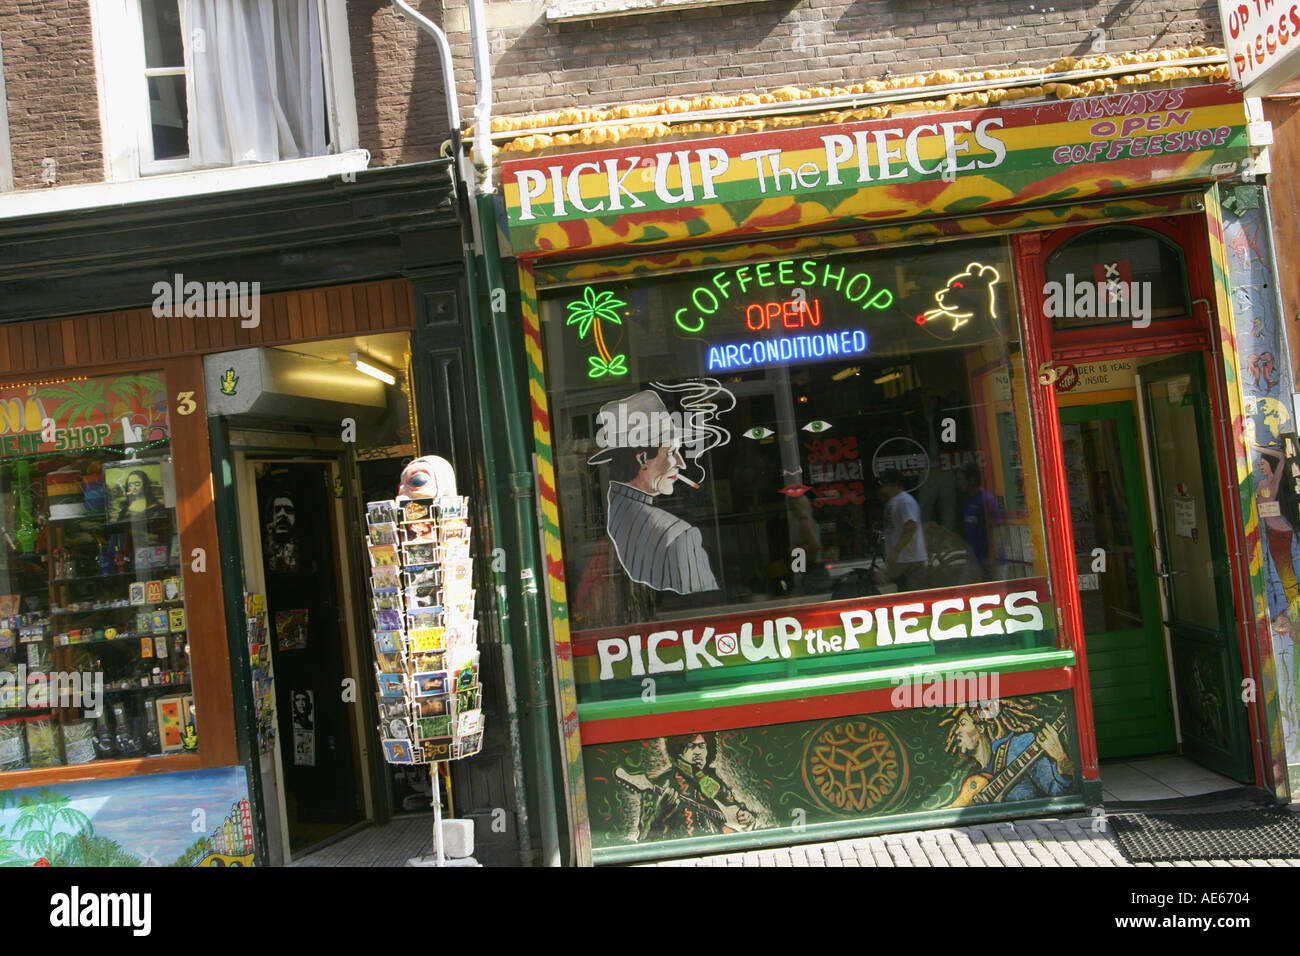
(1047, 349)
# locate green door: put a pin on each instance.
(1127, 667)
(1193, 565)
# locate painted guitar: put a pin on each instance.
(989, 788)
(725, 814)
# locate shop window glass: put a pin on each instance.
(1116, 275)
(844, 435)
(94, 652)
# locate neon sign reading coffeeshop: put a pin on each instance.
(708, 298)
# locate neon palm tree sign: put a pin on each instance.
(588, 313)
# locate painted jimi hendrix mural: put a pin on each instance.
(827, 771)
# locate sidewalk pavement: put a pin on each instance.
(1071, 841)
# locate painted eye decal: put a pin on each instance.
(759, 432)
(817, 426)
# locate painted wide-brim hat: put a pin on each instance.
(639, 421)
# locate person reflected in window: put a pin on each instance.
(905, 554)
(141, 498)
(982, 518)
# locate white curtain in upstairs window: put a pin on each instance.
(254, 80)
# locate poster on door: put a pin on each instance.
(304, 728)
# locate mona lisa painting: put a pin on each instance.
(134, 491)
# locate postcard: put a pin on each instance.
(452, 506)
(467, 746)
(383, 554)
(160, 621)
(432, 661)
(415, 509)
(135, 592)
(415, 532)
(398, 751)
(468, 699)
(435, 749)
(388, 642)
(430, 683)
(422, 618)
(388, 709)
(452, 530)
(466, 676)
(435, 726)
(426, 639)
(381, 512)
(174, 589)
(388, 601)
(416, 599)
(388, 620)
(386, 577)
(396, 727)
(419, 554)
(391, 685)
(390, 663)
(470, 722)
(433, 706)
(385, 533)
(423, 579)
(176, 619)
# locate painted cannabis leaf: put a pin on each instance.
(590, 312)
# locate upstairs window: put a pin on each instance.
(197, 84)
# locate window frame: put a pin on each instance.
(118, 32)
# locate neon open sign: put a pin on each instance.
(792, 315)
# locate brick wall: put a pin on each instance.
(401, 111)
(764, 45)
(53, 104)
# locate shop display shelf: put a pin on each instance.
(112, 575)
(120, 638)
(116, 607)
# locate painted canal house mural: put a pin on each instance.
(826, 771)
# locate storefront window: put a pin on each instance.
(844, 437)
(94, 654)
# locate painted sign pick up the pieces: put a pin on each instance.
(877, 170)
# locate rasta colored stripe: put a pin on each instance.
(555, 589)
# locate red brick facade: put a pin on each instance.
(49, 63)
(760, 46)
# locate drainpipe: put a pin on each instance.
(540, 705)
(523, 828)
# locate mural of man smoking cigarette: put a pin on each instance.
(649, 450)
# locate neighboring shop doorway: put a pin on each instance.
(301, 563)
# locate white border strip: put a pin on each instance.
(37, 202)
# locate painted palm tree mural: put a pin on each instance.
(135, 406)
(590, 312)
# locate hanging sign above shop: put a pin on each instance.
(887, 169)
(1263, 43)
(68, 416)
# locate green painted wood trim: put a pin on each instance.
(821, 832)
(819, 686)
